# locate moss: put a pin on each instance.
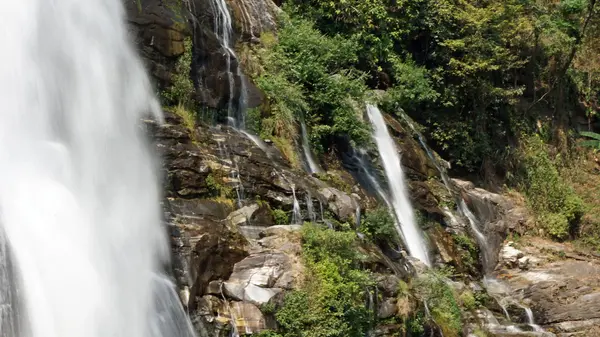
(188, 117)
(335, 179)
(467, 300)
(289, 152)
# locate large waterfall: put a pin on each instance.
(407, 226)
(79, 196)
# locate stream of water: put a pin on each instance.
(406, 225)
(79, 191)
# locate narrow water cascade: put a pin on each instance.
(296, 214)
(313, 167)
(224, 32)
(493, 285)
(170, 317)
(462, 208)
(406, 225)
(310, 208)
(481, 240)
(79, 191)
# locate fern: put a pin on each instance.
(593, 142)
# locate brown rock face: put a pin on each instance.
(561, 284)
(159, 28)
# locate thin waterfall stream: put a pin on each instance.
(406, 225)
(493, 285)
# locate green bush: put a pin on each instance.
(442, 304)
(182, 87)
(557, 207)
(309, 76)
(280, 217)
(379, 225)
(331, 300)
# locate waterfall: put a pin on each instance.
(463, 209)
(407, 227)
(224, 31)
(296, 215)
(313, 167)
(310, 208)
(79, 191)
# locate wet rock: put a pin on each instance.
(388, 284)
(340, 203)
(242, 216)
(561, 286)
(247, 317)
(253, 17)
(387, 308)
(510, 256)
(280, 230)
(159, 29)
(523, 263)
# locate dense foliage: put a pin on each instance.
(474, 73)
(331, 301)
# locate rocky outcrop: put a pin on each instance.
(159, 28)
(559, 281)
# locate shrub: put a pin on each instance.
(182, 88)
(379, 225)
(308, 75)
(439, 297)
(557, 207)
(331, 301)
(280, 217)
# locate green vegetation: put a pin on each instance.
(468, 253)
(181, 91)
(280, 217)
(378, 225)
(443, 306)
(593, 142)
(472, 72)
(307, 75)
(331, 299)
(216, 187)
(557, 207)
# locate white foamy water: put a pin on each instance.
(79, 193)
(413, 238)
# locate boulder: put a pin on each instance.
(509, 256)
(339, 203)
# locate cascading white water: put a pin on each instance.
(310, 208)
(79, 192)
(224, 31)
(313, 167)
(296, 215)
(388, 153)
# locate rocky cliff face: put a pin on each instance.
(234, 206)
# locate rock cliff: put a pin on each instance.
(234, 206)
